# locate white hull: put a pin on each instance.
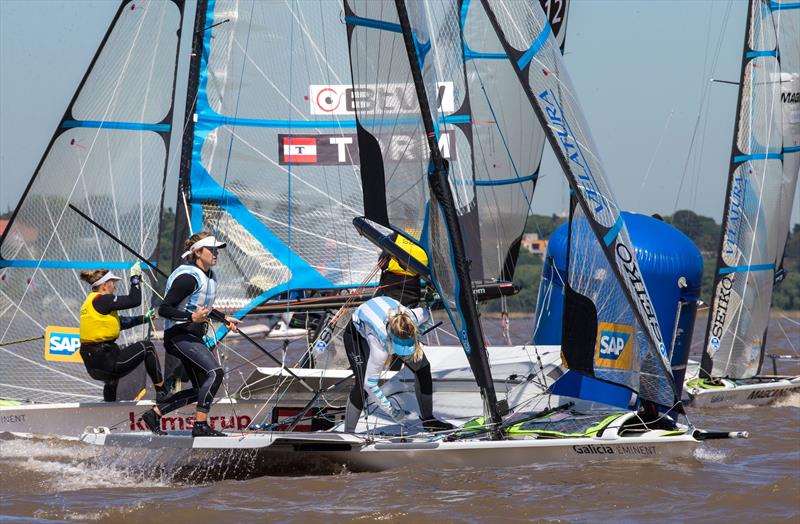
(758, 394)
(278, 453)
(455, 396)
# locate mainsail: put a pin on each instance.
(764, 166)
(417, 53)
(107, 157)
(273, 166)
(507, 142)
(623, 344)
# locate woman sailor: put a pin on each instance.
(383, 327)
(190, 293)
(100, 324)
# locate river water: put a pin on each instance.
(754, 480)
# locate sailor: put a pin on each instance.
(190, 294)
(100, 324)
(383, 327)
(398, 283)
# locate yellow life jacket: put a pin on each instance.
(95, 326)
(411, 248)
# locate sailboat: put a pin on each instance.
(279, 182)
(419, 47)
(762, 178)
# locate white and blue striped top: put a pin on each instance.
(370, 321)
(203, 296)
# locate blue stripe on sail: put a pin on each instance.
(742, 269)
(755, 54)
(69, 264)
(758, 156)
(526, 58)
(374, 24)
(507, 181)
(129, 126)
(613, 232)
(791, 149)
(276, 123)
(454, 119)
(775, 6)
(469, 54)
(313, 124)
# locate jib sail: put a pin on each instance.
(273, 165)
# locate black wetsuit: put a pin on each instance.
(185, 341)
(107, 361)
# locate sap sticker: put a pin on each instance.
(61, 344)
(614, 347)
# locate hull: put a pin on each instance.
(455, 395)
(750, 394)
(70, 419)
(281, 453)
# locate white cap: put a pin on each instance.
(203, 242)
(105, 278)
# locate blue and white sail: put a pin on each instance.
(107, 157)
(274, 168)
(762, 178)
(620, 336)
(507, 141)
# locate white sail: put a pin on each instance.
(761, 185)
(108, 158)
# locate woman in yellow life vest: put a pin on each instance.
(100, 324)
(398, 283)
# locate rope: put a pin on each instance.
(21, 340)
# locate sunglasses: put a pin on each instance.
(214, 250)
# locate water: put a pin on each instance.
(48, 480)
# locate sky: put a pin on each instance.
(641, 69)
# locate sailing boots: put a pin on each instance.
(202, 429)
(152, 420)
(434, 424)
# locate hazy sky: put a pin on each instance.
(640, 67)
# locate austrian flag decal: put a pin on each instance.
(299, 150)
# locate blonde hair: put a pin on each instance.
(91, 277)
(402, 326)
(189, 242)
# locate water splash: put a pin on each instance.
(707, 454)
(791, 401)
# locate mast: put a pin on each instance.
(473, 339)
(182, 220)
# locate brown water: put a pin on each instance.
(753, 480)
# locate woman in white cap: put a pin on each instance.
(383, 327)
(100, 325)
(187, 304)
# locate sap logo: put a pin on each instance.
(614, 346)
(62, 344)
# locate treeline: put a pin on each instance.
(703, 231)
